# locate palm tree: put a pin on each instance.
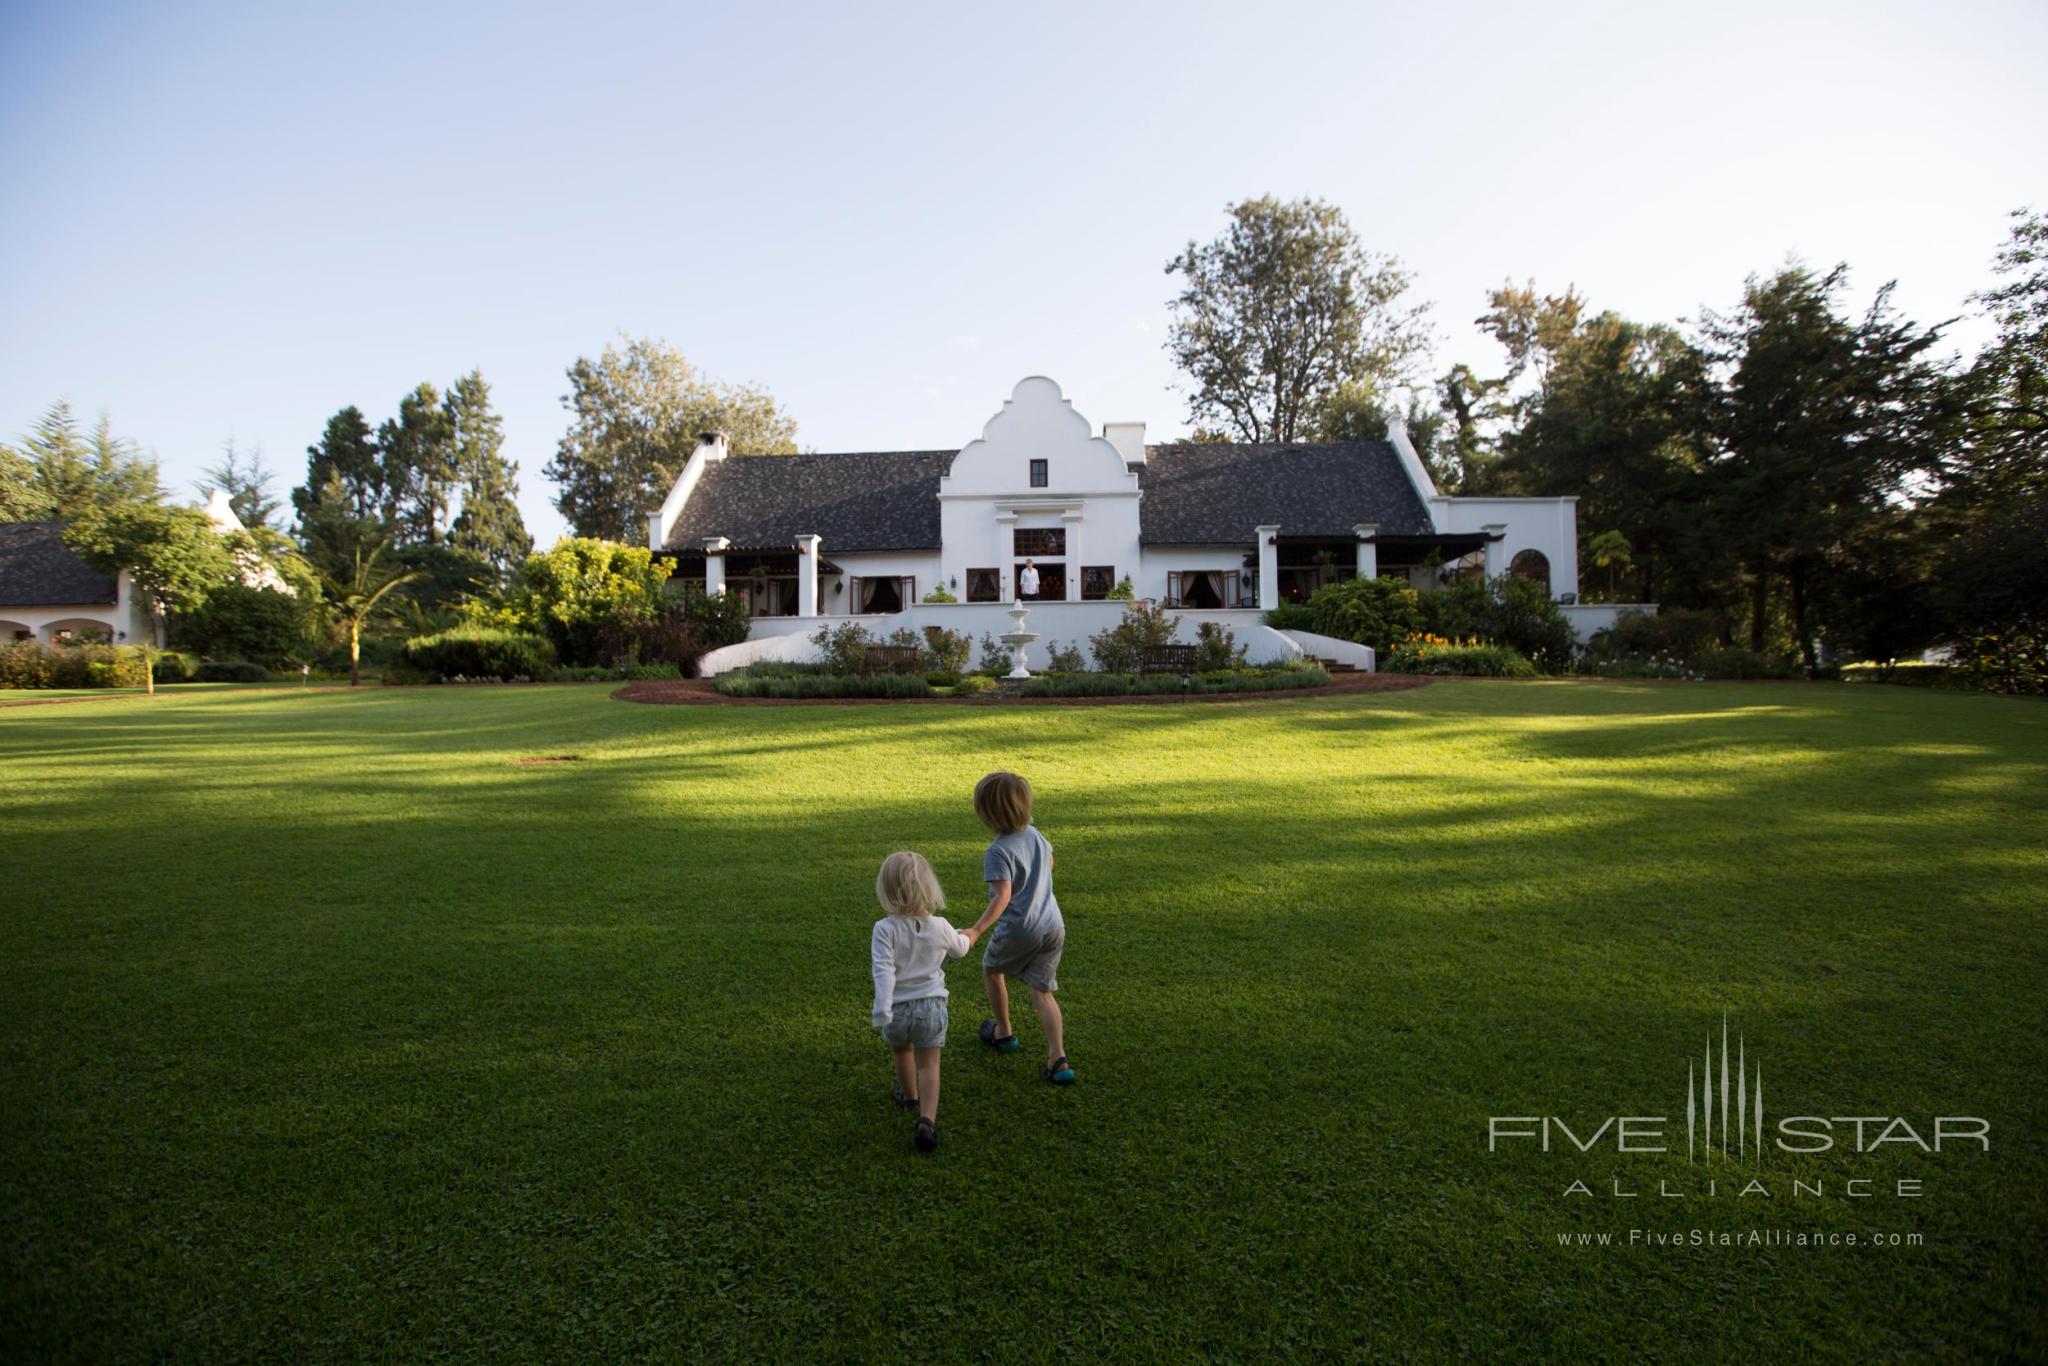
(355, 599)
(1610, 550)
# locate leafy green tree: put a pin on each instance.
(70, 474)
(1610, 551)
(1820, 422)
(489, 525)
(1282, 308)
(417, 450)
(330, 529)
(172, 555)
(260, 625)
(576, 591)
(638, 410)
(22, 499)
(346, 458)
(355, 598)
(246, 482)
(1614, 416)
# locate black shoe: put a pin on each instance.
(927, 1135)
(903, 1102)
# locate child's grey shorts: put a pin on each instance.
(1033, 959)
(919, 1024)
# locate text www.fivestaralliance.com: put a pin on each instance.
(1652, 1239)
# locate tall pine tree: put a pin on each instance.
(489, 525)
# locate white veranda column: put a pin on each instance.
(807, 575)
(1072, 522)
(1368, 551)
(1269, 567)
(1496, 549)
(714, 565)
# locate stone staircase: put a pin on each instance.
(1333, 668)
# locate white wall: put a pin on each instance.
(1588, 619)
(986, 496)
(1550, 525)
(127, 619)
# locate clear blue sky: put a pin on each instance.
(234, 219)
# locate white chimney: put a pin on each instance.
(1129, 440)
(713, 445)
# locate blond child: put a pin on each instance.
(909, 949)
(1030, 933)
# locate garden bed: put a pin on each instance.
(698, 692)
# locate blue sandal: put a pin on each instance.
(1057, 1072)
(1007, 1044)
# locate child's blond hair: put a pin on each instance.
(907, 886)
(1003, 802)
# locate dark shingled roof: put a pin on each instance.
(38, 570)
(1200, 494)
(871, 500)
(1194, 494)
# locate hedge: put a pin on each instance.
(481, 652)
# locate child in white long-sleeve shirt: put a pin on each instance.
(909, 949)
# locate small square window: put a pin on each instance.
(1039, 476)
(1040, 541)
(1096, 581)
(984, 585)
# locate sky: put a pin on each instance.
(232, 220)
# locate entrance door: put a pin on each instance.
(1052, 581)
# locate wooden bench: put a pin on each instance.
(1167, 659)
(889, 659)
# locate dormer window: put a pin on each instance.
(1039, 476)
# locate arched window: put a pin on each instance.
(1532, 564)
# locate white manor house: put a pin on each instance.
(1217, 532)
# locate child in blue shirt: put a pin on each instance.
(1029, 933)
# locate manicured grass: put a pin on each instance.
(332, 1031)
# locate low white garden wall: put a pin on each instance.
(786, 639)
(1588, 619)
(1333, 648)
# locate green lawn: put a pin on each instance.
(331, 1031)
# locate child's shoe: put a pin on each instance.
(1007, 1044)
(927, 1135)
(1058, 1072)
(903, 1102)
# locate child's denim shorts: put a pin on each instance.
(920, 1024)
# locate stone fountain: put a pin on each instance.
(1017, 638)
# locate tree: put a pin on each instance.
(70, 475)
(173, 555)
(489, 525)
(356, 596)
(236, 621)
(1610, 551)
(579, 589)
(417, 452)
(1819, 422)
(245, 481)
(1614, 416)
(22, 499)
(638, 412)
(1280, 310)
(346, 457)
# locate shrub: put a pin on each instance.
(1432, 654)
(1122, 592)
(1291, 616)
(945, 650)
(715, 622)
(1216, 648)
(1132, 685)
(1513, 611)
(173, 666)
(1375, 612)
(479, 652)
(1734, 661)
(1065, 659)
(822, 685)
(940, 593)
(657, 670)
(782, 668)
(587, 673)
(1911, 674)
(971, 684)
(845, 646)
(995, 656)
(238, 622)
(26, 664)
(1680, 633)
(1118, 649)
(231, 671)
(572, 592)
